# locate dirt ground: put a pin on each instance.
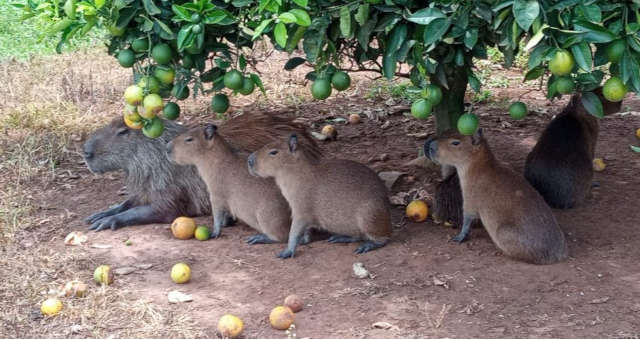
(421, 285)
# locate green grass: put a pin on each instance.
(21, 40)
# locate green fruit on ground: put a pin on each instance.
(103, 274)
(233, 80)
(187, 61)
(149, 84)
(165, 75)
(153, 103)
(421, 109)
(562, 63)
(140, 45)
(247, 86)
(202, 233)
(171, 111)
(195, 18)
(564, 85)
(161, 54)
(340, 81)
(116, 31)
(615, 50)
(153, 129)
(180, 92)
(433, 94)
(518, 110)
(220, 103)
(614, 89)
(126, 58)
(321, 89)
(133, 95)
(467, 124)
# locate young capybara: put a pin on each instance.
(255, 201)
(516, 217)
(560, 164)
(343, 197)
(159, 190)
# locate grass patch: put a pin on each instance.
(389, 89)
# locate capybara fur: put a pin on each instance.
(560, 164)
(253, 200)
(343, 197)
(514, 214)
(159, 190)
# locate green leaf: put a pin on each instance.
(363, 35)
(470, 38)
(525, 12)
(314, 37)
(594, 33)
(151, 7)
(627, 63)
(635, 148)
(164, 27)
(280, 34)
(242, 63)
(215, 17)
(396, 38)
(258, 82)
(301, 3)
(389, 65)
(302, 17)
(426, 15)
(295, 38)
(345, 21)
(435, 30)
(293, 63)
(362, 14)
(473, 81)
(592, 104)
(99, 3)
(287, 18)
(261, 28)
(185, 37)
(125, 16)
(59, 26)
(535, 73)
(582, 54)
(181, 12)
(536, 38)
(537, 55)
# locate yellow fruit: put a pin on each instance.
(133, 95)
(180, 273)
(638, 133)
(51, 306)
(614, 89)
(598, 164)
(417, 211)
(103, 274)
(183, 228)
(230, 326)
(562, 63)
(354, 118)
(294, 302)
(329, 131)
(75, 288)
(202, 233)
(133, 124)
(281, 317)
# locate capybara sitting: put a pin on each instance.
(159, 190)
(560, 164)
(253, 200)
(343, 197)
(516, 217)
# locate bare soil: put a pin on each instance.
(421, 284)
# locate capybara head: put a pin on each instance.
(454, 149)
(189, 146)
(267, 161)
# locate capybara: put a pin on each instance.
(560, 164)
(159, 190)
(514, 214)
(343, 197)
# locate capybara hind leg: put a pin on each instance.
(466, 228)
(143, 214)
(109, 212)
(306, 237)
(218, 220)
(295, 234)
(335, 238)
(369, 246)
(260, 239)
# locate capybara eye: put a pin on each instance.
(188, 139)
(455, 142)
(273, 152)
(122, 131)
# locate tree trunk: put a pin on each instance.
(452, 105)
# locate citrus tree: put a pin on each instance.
(183, 47)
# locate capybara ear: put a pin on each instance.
(293, 143)
(477, 137)
(210, 131)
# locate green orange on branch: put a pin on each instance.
(421, 109)
(220, 103)
(233, 80)
(468, 124)
(340, 81)
(614, 89)
(321, 89)
(562, 63)
(153, 128)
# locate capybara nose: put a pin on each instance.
(88, 155)
(169, 146)
(251, 160)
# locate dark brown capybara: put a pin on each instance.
(158, 189)
(514, 214)
(343, 197)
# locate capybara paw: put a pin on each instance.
(342, 239)
(105, 223)
(369, 246)
(215, 234)
(259, 239)
(285, 254)
(95, 217)
(459, 238)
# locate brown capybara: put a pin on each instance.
(343, 197)
(514, 214)
(560, 164)
(159, 190)
(253, 200)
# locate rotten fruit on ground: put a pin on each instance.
(329, 131)
(51, 306)
(598, 164)
(230, 326)
(183, 228)
(294, 302)
(202, 233)
(354, 118)
(417, 211)
(638, 132)
(75, 288)
(281, 317)
(180, 273)
(103, 275)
